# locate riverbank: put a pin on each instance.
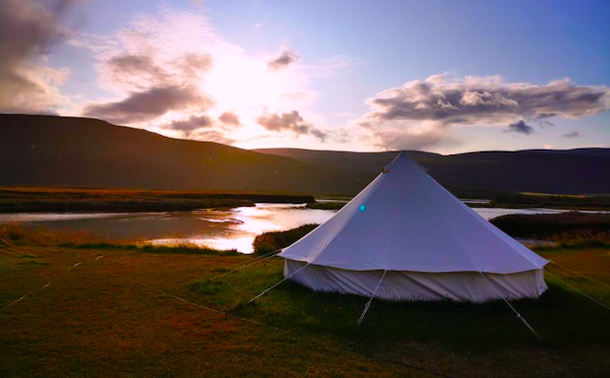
(45, 200)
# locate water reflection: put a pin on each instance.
(244, 223)
(220, 229)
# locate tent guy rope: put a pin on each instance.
(580, 274)
(251, 263)
(519, 316)
(578, 290)
(277, 284)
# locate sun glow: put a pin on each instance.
(246, 85)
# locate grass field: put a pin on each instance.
(549, 201)
(122, 315)
(116, 316)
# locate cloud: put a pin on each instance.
(191, 123)
(285, 59)
(487, 100)
(442, 102)
(229, 118)
(416, 138)
(135, 71)
(573, 135)
(148, 105)
(290, 121)
(396, 140)
(519, 127)
(29, 29)
(163, 68)
(180, 49)
(154, 89)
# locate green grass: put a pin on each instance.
(108, 317)
(558, 315)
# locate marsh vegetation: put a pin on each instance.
(16, 199)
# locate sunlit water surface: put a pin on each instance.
(219, 229)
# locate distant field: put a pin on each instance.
(119, 312)
(538, 200)
(569, 226)
(24, 199)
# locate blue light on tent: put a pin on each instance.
(363, 208)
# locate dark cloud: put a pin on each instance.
(153, 91)
(290, 121)
(441, 101)
(519, 127)
(191, 123)
(487, 101)
(229, 118)
(28, 30)
(194, 64)
(140, 71)
(285, 59)
(574, 134)
(148, 105)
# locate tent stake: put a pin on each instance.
(368, 304)
(512, 308)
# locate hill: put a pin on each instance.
(51, 151)
(577, 171)
(79, 152)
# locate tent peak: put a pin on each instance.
(402, 158)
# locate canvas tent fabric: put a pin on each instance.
(431, 245)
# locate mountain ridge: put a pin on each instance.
(55, 151)
(82, 152)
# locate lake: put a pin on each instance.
(220, 229)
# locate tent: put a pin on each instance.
(405, 237)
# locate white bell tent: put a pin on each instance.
(405, 237)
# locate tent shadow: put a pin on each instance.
(560, 316)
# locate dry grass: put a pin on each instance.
(16, 235)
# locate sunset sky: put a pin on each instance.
(443, 76)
